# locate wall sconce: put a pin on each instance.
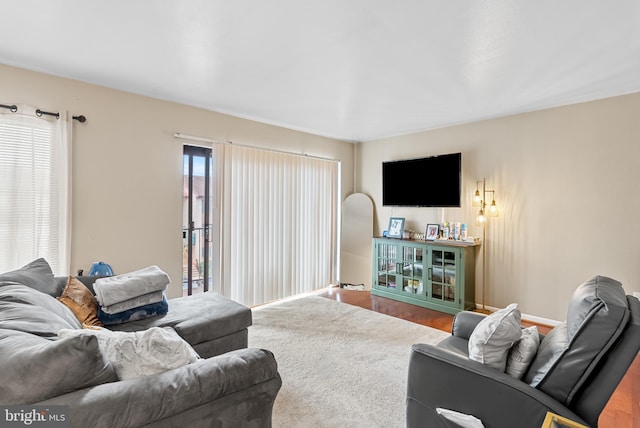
(480, 200)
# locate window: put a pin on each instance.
(34, 190)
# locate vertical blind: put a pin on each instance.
(33, 192)
(279, 224)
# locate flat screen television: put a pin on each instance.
(425, 182)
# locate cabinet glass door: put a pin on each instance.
(386, 256)
(413, 258)
(443, 276)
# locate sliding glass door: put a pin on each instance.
(259, 225)
(279, 224)
(196, 226)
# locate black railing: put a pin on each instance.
(198, 241)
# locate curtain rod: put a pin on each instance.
(194, 138)
(13, 108)
(210, 140)
(39, 113)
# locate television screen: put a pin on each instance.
(426, 182)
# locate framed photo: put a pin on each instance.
(556, 421)
(432, 232)
(396, 227)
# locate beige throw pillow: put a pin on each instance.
(493, 337)
(81, 301)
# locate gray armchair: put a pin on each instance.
(576, 369)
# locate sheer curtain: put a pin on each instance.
(35, 181)
(279, 224)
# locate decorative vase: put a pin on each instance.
(100, 269)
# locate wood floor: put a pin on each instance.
(622, 411)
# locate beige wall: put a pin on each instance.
(127, 166)
(567, 185)
(566, 182)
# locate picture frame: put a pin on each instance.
(553, 420)
(432, 232)
(396, 227)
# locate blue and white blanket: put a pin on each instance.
(135, 314)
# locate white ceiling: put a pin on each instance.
(356, 70)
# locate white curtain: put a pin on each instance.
(279, 224)
(35, 180)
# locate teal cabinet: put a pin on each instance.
(438, 275)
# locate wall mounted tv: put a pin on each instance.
(425, 182)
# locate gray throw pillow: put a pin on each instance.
(493, 337)
(522, 353)
(33, 369)
(25, 309)
(37, 275)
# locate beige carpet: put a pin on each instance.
(341, 365)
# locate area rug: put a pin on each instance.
(341, 365)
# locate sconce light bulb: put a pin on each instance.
(480, 218)
(477, 199)
(493, 209)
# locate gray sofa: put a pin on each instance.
(577, 367)
(230, 386)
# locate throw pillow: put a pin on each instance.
(37, 275)
(33, 368)
(493, 337)
(141, 353)
(25, 309)
(81, 301)
(523, 352)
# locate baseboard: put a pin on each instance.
(540, 320)
(296, 296)
(526, 317)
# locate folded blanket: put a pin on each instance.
(140, 353)
(119, 288)
(135, 302)
(142, 312)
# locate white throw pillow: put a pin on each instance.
(140, 353)
(523, 352)
(493, 337)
